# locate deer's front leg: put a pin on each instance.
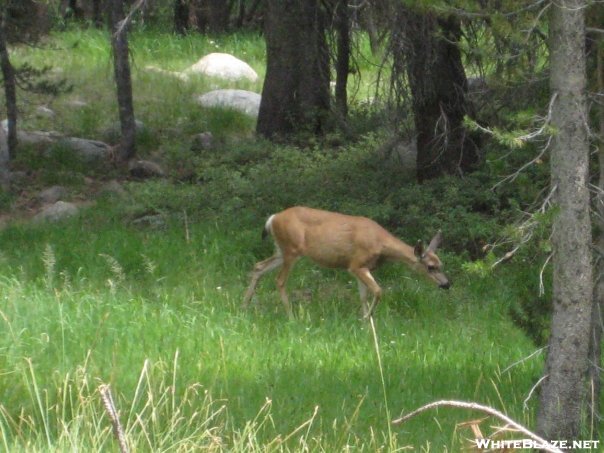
(288, 262)
(366, 279)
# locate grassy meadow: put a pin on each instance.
(155, 311)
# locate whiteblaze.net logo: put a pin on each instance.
(488, 444)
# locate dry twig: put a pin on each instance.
(543, 444)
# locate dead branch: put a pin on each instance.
(527, 229)
(532, 354)
(543, 444)
(533, 388)
(527, 137)
(126, 21)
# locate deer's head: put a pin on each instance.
(430, 263)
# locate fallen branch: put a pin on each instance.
(543, 444)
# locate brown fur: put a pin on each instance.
(335, 240)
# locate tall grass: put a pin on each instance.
(158, 318)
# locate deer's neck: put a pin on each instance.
(396, 250)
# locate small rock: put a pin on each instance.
(150, 221)
(45, 112)
(202, 141)
(114, 131)
(77, 103)
(4, 179)
(18, 177)
(244, 101)
(52, 194)
(56, 212)
(144, 169)
(113, 187)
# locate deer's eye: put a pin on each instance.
(431, 268)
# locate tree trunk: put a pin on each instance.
(295, 96)
(597, 318)
(10, 92)
(97, 13)
(563, 393)
(218, 16)
(181, 16)
(211, 15)
(342, 21)
(438, 84)
(123, 80)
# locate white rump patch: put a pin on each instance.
(268, 226)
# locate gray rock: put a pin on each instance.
(30, 137)
(56, 212)
(52, 194)
(202, 141)
(44, 111)
(114, 131)
(113, 187)
(144, 169)
(88, 150)
(244, 101)
(179, 75)
(91, 151)
(4, 157)
(150, 221)
(223, 66)
(77, 103)
(18, 177)
(5, 180)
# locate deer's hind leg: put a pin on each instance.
(259, 270)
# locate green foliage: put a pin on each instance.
(37, 80)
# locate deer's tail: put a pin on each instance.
(268, 227)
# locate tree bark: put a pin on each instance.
(342, 22)
(427, 48)
(218, 16)
(97, 15)
(563, 393)
(181, 16)
(295, 96)
(10, 92)
(123, 80)
(594, 376)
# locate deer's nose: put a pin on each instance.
(445, 285)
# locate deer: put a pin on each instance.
(340, 241)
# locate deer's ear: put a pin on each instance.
(436, 241)
(419, 249)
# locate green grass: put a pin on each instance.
(118, 300)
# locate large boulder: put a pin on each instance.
(223, 66)
(244, 101)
